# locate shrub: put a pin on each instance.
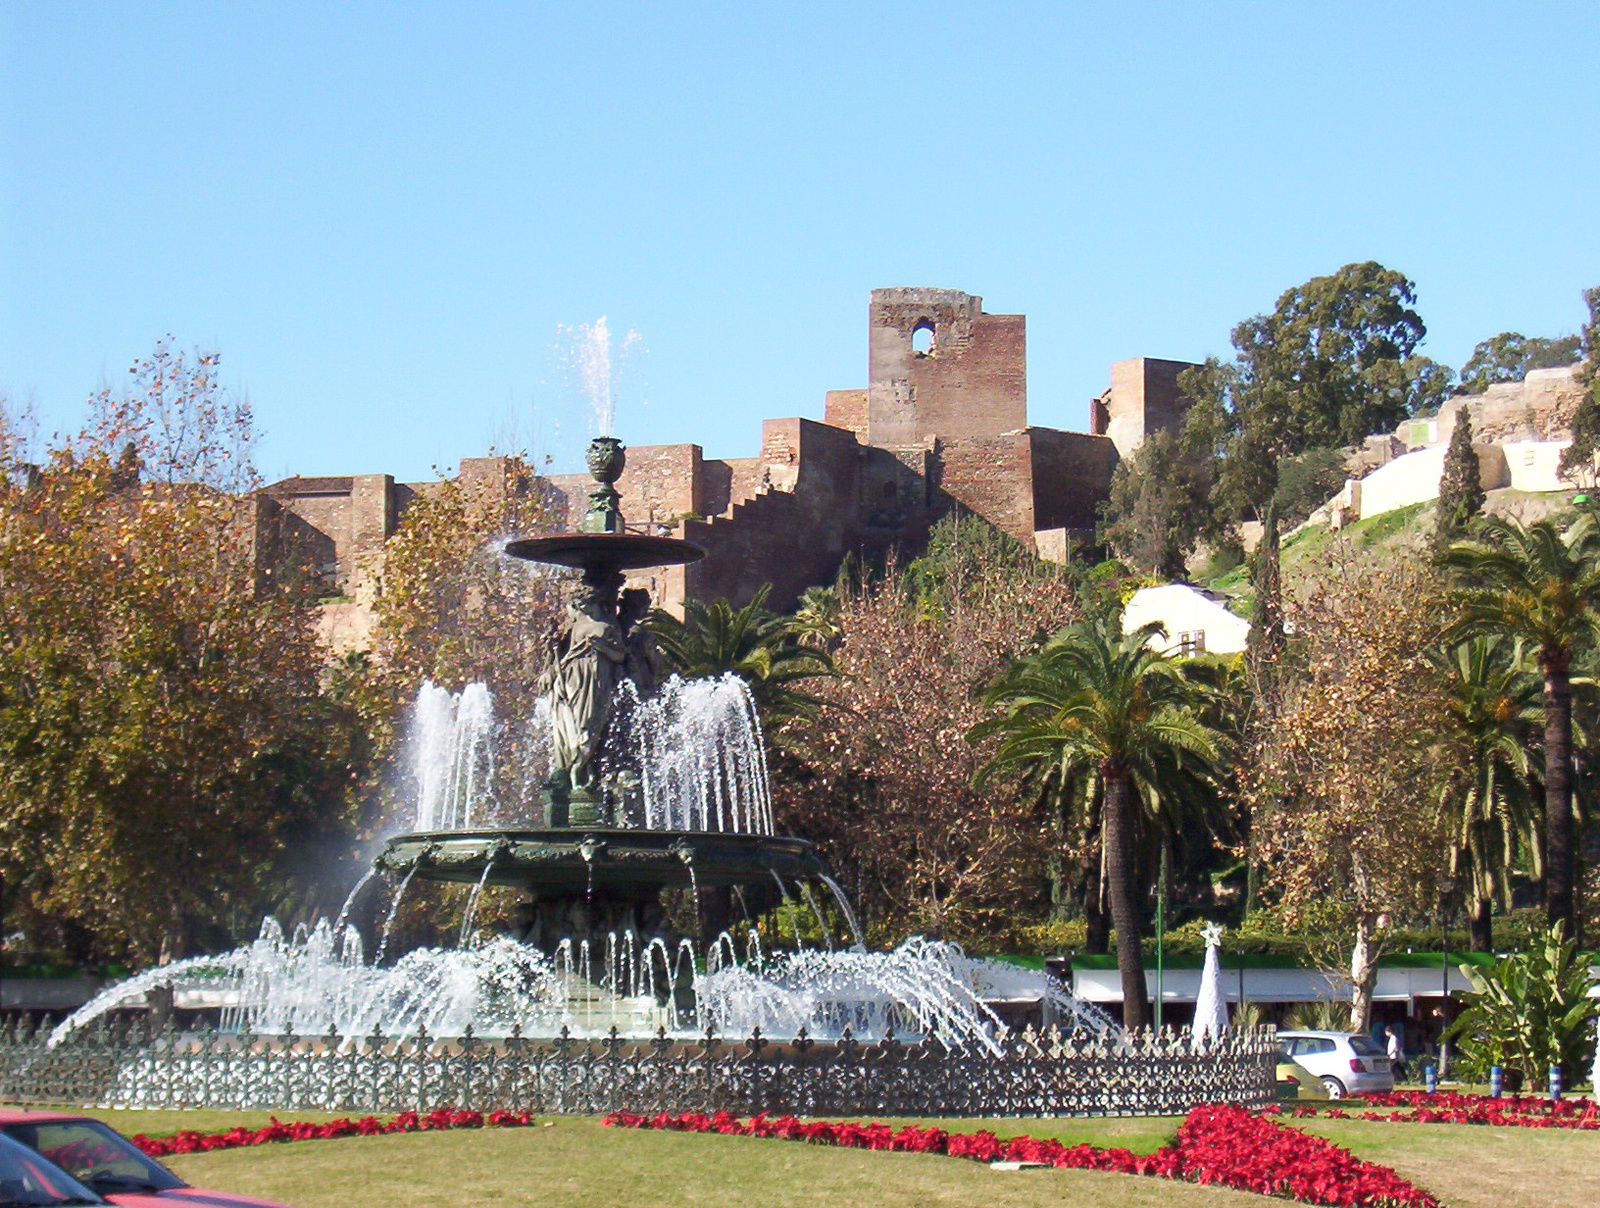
(1531, 1011)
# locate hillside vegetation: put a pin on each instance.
(1403, 533)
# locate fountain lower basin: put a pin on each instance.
(625, 861)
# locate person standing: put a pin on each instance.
(1396, 1051)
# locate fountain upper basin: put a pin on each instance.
(606, 551)
(574, 861)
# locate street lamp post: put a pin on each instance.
(1161, 930)
(1446, 887)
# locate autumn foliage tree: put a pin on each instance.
(452, 606)
(1345, 786)
(881, 776)
(166, 739)
(454, 609)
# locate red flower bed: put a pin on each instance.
(1230, 1146)
(1450, 1107)
(1223, 1145)
(189, 1141)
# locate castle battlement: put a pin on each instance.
(941, 425)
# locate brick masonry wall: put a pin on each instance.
(1071, 476)
(846, 409)
(660, 483)
(972, 384)
(317, 524)
(993, 479)
(794, 533)
(932, 431)
(1143, 399)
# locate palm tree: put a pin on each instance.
(1490, 802)
(1541, 586)
(1169, 818)
(818, 619)
(1094, 701)
(761, 648)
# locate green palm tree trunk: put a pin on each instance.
(1124, 910)
(1096, 926)
(1480, 925)
(1559, 903)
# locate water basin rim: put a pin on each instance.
(620, 857)
(620, 551)
(576, 834)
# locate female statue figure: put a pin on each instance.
(581, 681)
(644, 662)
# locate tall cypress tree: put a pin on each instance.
(1580, 461)
(1264, 645)
(1461, 494)
(1266, 631)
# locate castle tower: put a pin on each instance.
(1143, 399)
(939, 367)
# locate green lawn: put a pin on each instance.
(578, 1164)
(1474, 1166)
(575, 1163)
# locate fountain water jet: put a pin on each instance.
(453, 758)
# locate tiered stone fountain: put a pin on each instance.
(588, 876)
(309, 1020)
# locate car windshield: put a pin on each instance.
(28, 1181)
(95, 1154)
(1366, 1046)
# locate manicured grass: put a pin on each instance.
(1475, 1166)
(576, 1163)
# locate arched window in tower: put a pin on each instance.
(922, 338)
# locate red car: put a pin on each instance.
(28, 1181)
(107, 1163)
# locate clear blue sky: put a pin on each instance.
(380, 214)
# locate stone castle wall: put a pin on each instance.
(1071, 478)
(971, 384)
(1143, 399)
(942, 425)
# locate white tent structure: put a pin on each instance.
(1211, 1005)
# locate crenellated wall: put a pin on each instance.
(942, 425)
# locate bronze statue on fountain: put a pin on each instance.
(586, 872)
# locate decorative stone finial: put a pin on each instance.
(607, 459)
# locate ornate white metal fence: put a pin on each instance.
(1046, 1074)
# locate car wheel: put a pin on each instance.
(1334, 1087)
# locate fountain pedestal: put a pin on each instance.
(589, 882)
(592, 655)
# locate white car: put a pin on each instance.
(1348, 1063)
